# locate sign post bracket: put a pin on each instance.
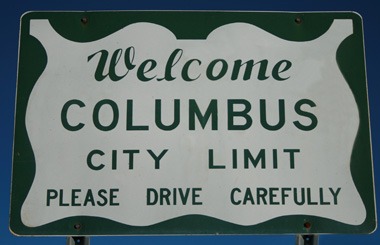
(308, 239)
(82, 240)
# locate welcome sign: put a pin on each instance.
(191, 123)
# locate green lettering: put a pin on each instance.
(157, 158)
(89, 198)
(113, 196)
(113, 63)
(61, 203)
(284, 194)
(99, 76)
(51, 194)
(273, 195)
(172, 61)
(295, 195)
(65, 109)
(158, 117)
(263, 115)
(151, 197)
(74, 197)
(211, 111)
(211, 161)
(185, 70)
(232, 196)
(321, 199)
(291, 156)
(101, 194)
(314, 120)
(261, 195)
(196, 195)
(278, 68)
(255, 161)
(115, 113)
(248, 197)
(130, 125)
(210, 69)
(164, 195)
(243, 114)
(145, 67)
(129, 57)
(89, 160)
(335, 194)
(248, 69)
(131, 156)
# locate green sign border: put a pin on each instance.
(190, 25)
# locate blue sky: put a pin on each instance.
(11, 12)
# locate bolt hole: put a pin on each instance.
(84, 20)
(307, 225)
(298, 20)
(77, 226)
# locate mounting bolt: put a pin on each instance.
(307, 225)
(84, 20)
(77, 226)
(298, 20)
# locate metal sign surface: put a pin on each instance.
(191, 123)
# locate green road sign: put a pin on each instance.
(191, 123)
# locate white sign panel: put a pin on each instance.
(141, 127)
